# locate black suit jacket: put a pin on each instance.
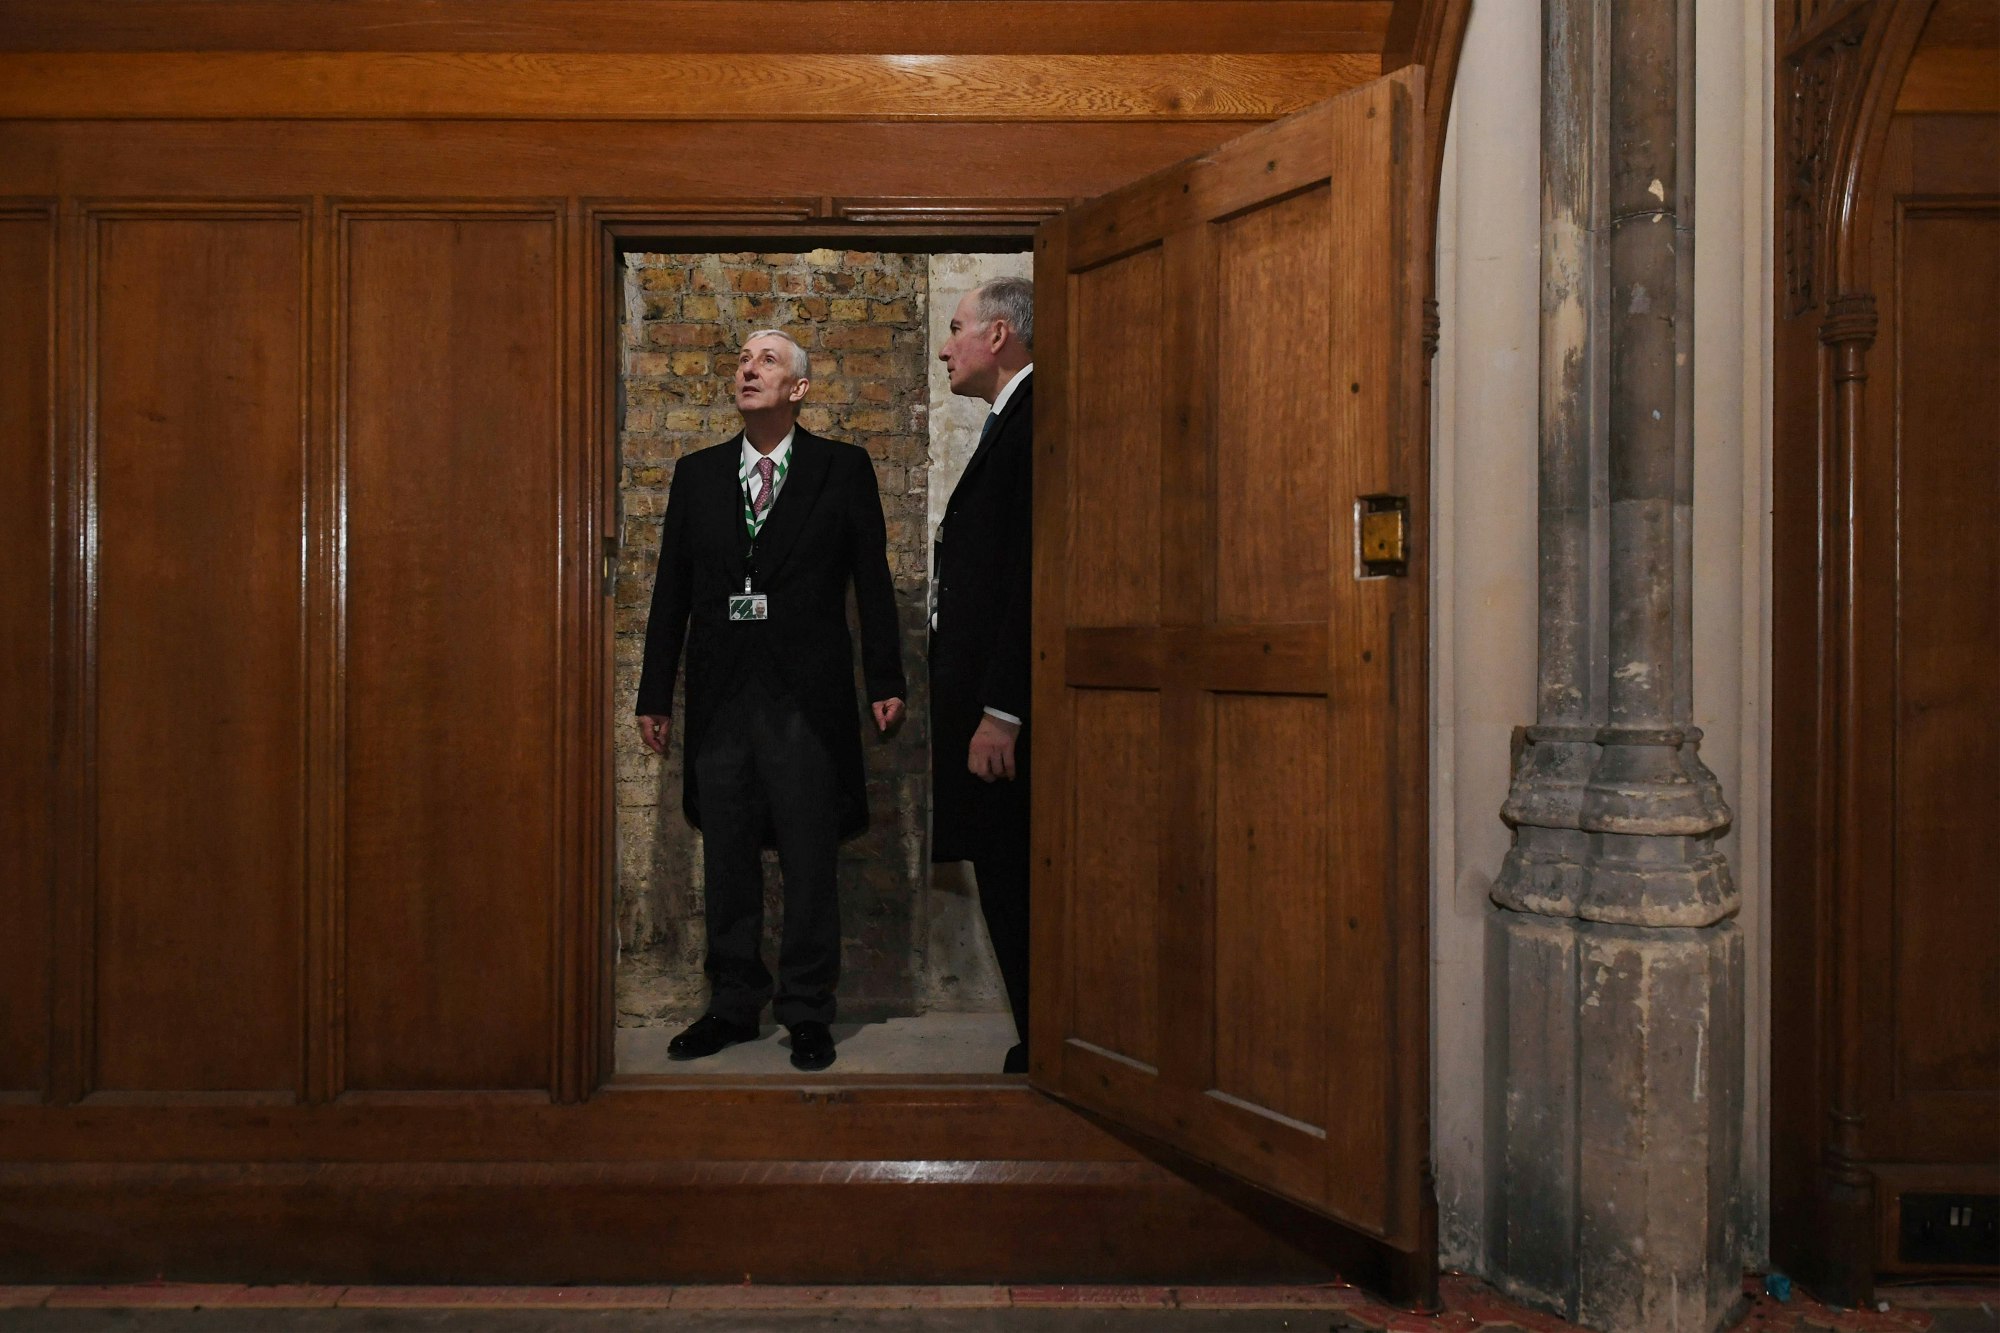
(980, 650)
(824, 531)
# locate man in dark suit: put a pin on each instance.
(980, 631)
(762, 537)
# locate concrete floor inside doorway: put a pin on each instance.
(1470, 1305)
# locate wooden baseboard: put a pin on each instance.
(609, 1223)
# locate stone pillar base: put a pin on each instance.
(1617, 1200)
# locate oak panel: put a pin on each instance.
(669, 164)
(27, 667)
(451, 408)
(420, 85)
(916, 27)
(807, 1221)
(1114, 480)
(1270, 903)
(1947, 747)
(196, 362)
(1959, 80)
(1273, 314)
(1116, 868)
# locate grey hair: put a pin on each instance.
(801, 363)
(1011, 299)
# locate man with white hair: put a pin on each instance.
(763, 535)
(979, 632)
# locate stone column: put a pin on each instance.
(1621, 1025)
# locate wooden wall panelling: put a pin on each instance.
(27, 641)
(1926, 593)
(75, 861)
(917, 27)
(1834, 543)
(528, 1221)
(196, 363)
(452, 409)
(582, 941)
(421, 85)
(1187, 416)
(1937, 1089)
(326, 641)
(798, 163)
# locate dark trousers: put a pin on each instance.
(1002, 875)
(761, 768)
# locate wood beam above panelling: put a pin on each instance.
(773, 26)
(558, 86)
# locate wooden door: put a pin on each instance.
(1230, 923)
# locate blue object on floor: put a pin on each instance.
(1778, 1286)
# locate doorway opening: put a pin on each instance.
(919, 992)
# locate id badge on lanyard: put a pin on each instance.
(750, 605)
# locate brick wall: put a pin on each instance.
(862, 318)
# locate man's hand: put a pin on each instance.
(991, 754)
(653, 730)
(888, 712)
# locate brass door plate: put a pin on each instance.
(1381, 536)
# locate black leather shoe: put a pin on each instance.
(707, 1035)
(1017, 1059)
(812, 1045)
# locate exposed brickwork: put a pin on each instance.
(862, 318)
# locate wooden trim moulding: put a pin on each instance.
(423, 85)
(930, 26)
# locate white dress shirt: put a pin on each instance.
(778, 455)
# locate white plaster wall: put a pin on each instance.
(1483, 572)
(1732, 450)
(1484, 460)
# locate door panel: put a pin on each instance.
(196, 368)
(1232, 348)
(1270, 935)
(27, 657)
(1114, 515)
(1272, 323)
(451, 404)
(1114, 926)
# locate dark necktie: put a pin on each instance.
(987, 429)
(765, 467)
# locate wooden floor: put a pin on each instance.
(1470, 1306)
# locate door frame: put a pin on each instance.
(941, 224)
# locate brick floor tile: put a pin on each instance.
(1449, 1321)
(755, 1297)
(1102, 1298)
(294, 1297)
(1267, 1298)
(571, 1298)
(23, 1298)
(508, 1298)
(401, 1298)
(143, 1296)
